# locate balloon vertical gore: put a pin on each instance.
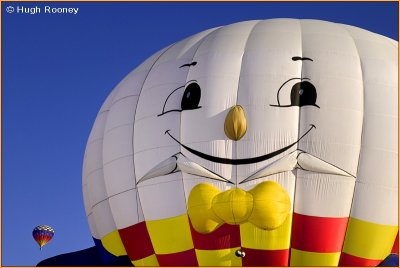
(42, 235)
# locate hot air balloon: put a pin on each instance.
(42, 234)
(241, 143)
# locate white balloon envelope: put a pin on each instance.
(258, 137)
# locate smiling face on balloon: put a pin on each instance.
(239, 134)
(187, 98)
(195, 160)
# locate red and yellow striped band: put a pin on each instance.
(309, 241)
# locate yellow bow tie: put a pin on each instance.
(266, 206)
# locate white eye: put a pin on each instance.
(302, 93)
(183, 98)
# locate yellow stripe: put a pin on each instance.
(305, 258)
(170, 235)
(220, 257)
(256, 238)
(369, 240)
(148, 261)
(113, 244)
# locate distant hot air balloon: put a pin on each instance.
(42, 234)
(242, 143)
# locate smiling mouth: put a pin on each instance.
(242, 161)
(298, 159)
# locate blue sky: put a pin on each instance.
(59, 68)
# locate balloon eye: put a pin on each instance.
(183, 98)
(191, 97)
(303, 93)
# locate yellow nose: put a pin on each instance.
(235, 125)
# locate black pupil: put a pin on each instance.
(303, 93)
(191, 97)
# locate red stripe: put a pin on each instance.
(395, 248)
(137, 241)
(256, 257)
(226, 236)
(184, 258)
(318, 234)
(349, 260)
(42, 238)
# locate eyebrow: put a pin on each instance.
(300, 58)
(189, 64)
